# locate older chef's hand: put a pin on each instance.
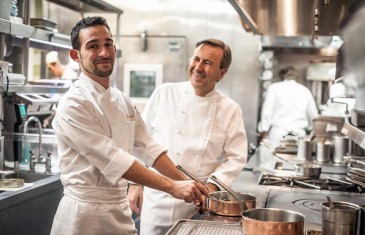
(189, 191)
(135, 197)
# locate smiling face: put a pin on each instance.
(97, 52)
(204, 69)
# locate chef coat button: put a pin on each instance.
(205, 138)
(178, 153)
(182, 111)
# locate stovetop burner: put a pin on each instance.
(307, 182)
(308, 204)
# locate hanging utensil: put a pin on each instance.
(233, 193)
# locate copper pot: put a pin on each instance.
(272, 221)
(223, 203)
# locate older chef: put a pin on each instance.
(97, 129)
(202, 129)
(289, 107)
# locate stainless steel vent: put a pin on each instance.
(292, 17)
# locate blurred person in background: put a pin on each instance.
(289, 108)
(202, 129)
(57, 69)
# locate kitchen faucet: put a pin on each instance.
(32, 159)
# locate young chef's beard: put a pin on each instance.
(99, 73)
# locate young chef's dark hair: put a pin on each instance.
(227, 55)
(85, 23)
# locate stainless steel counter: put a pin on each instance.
(31, 210)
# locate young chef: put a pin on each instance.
(97, 129)
(202, 129)
(289, 107)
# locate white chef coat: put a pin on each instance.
(205, 135)
(288, 107)
(97, 129)
(69, 74)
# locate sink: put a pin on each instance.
(27, 176)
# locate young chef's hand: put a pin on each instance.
(135, 197)
(189, 191)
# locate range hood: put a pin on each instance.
(304, 21)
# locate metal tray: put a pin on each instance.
(195, 227)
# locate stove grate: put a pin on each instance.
(198, 227)
(307, 182)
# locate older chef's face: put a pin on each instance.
(97, 52)
(204, 69)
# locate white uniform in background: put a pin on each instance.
(69, 74)
(205, 135)
(97, 129)
(288, 107)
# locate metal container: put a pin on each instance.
(340, 220)
(272, 221)
(340, 148)
(362, 219)
(323, 151)
(223, 203)
(309, 169)
(304, 150)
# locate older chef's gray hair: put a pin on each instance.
(227, 55)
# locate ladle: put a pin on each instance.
(233, 193)
(330, 203)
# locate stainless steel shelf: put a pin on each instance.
(355, 134)
(84, 6)
(37, 36)
(33, 89)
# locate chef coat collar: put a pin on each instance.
(190, 90)
(91, 83)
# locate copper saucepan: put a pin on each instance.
(272, 221)
(223, 203)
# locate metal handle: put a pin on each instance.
(180, 168)
(330, 203)
(301, 183)
(233, 193)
